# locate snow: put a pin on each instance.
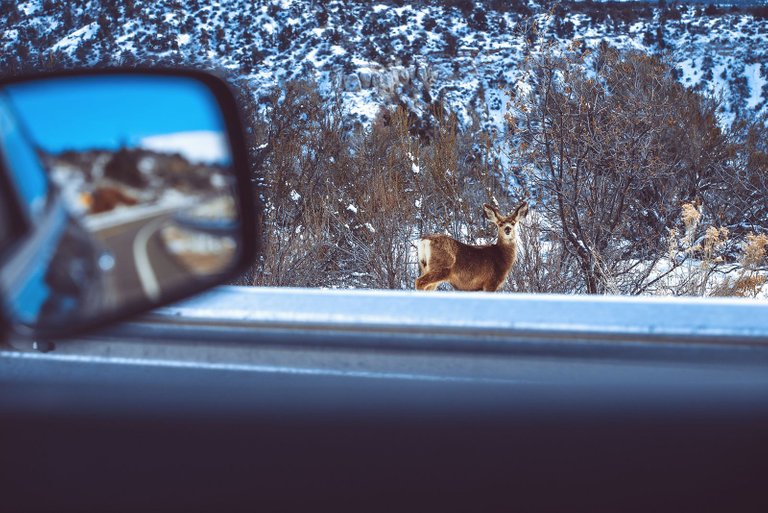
(198, 146)
(739, 38)
(269, 27)
(756, 82)
(312, 57)
(71, 182)
(362, 104)
(73, 39)
(27, 8)
(691, 71)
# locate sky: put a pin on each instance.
(107, 112)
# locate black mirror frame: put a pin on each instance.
(226, 98)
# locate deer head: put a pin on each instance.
(506, 225)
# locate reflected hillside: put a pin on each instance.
(96, 181)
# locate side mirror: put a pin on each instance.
(120, 190)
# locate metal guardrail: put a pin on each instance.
(472, 316)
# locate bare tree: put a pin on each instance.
(601, 138)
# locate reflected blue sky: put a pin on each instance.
(107, 112)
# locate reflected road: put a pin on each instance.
(143, 267)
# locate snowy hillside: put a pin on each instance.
(465, 53)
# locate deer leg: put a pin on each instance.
(493, 287)
(431, 279)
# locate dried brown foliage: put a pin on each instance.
(635, 186)
(613, 146)
(343, 206)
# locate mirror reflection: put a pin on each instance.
(127, 185)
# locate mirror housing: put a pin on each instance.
(121, 190)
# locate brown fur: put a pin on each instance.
(466, 267)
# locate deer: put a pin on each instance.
(106, 198)
(467, 267)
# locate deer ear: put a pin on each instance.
(491, 213)
(521, 211)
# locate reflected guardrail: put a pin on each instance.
(219, 227)
(127, 215)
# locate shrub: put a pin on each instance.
(612, 144)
